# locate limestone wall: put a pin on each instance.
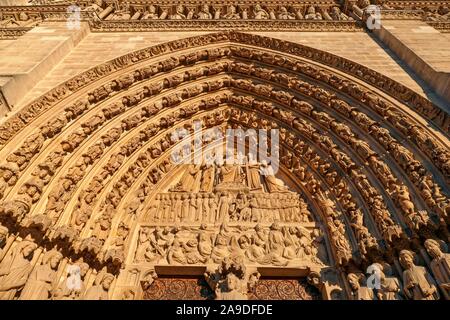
(22, 57)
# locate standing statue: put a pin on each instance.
(208, 178)
(312, 14)
(254, 175)
(150, 14)
(204, 13)
(359, 289)
(179, 13)
(284, 14)
(99, 291)
(417, 282)
(228, 173)
(389, 288)
(231, 13)
(41, 282)
(273, 184)
(221, 248)
(190, 179)
(8, 176)
(73, 287)
(15, 269)
(224, 207)
(440, 266)
(259, 13)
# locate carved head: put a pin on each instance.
(9, 170)
(180, 9)
(205, 8)
(84, 268)
(433, 248)
(353, 280)
(231, 9)
(378, 270)
(258, 7)
(107, 280)
(52, 258)
(283, 10)
(152, 9)
(244, 242)
(336, 10)
(232, 282)
(275, 226)
(406, 259)
(26, 248)
(311, 10)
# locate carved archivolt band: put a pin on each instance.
(372, 170)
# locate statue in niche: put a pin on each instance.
(204, 13)
(231, 13)
(221, 248)
(73, 287)
(185, 207)
(190, 179)
(224, 206)
(284, 14)
(417, 282)
(228, 173)
(232, 280)
(273, 184)
(312, 14)
(154, 207)
(3, 237)
(143, 245)
(259, 13)
(151, 14)
(253, 175)
(358, 286)
(337, 14)
(15, 269)
(41, 281)
(207, 177)
(8, 176)
(390, 287)
(179, 13)
(440, 265)
(103, 223)
(99, 291)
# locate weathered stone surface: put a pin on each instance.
(95, 204)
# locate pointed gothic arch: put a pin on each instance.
(368, 155)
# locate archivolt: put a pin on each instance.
(363, 142)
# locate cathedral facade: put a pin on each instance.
(102, 198)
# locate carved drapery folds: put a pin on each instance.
(360, 179)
